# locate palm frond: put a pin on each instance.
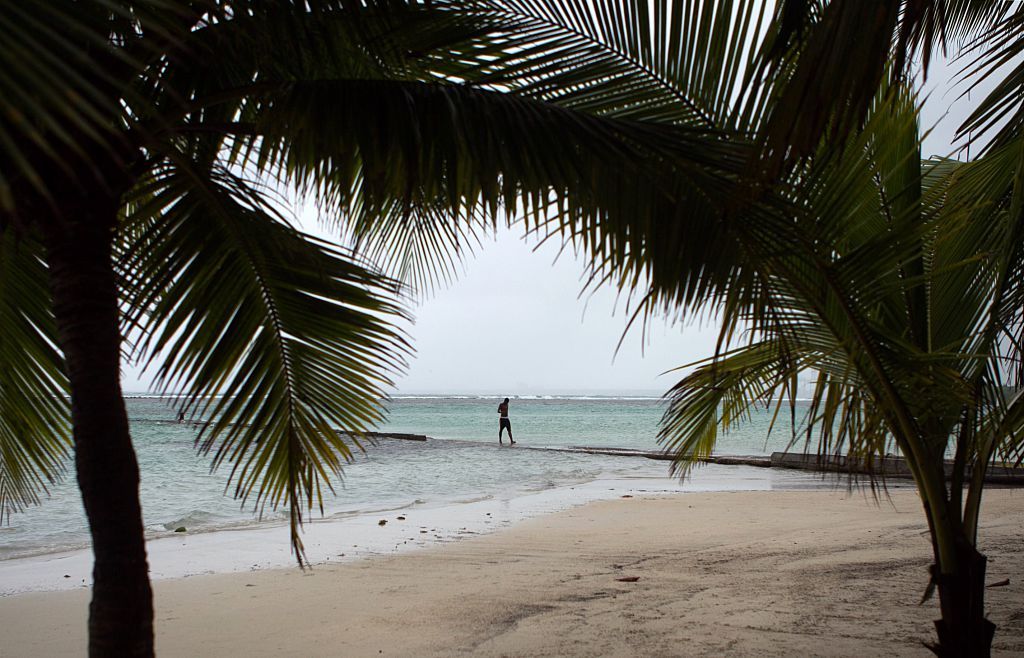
(78, 85)
(835, 56)
(604, 61)
(671, 61)
(994, 56)
(34, 411)
(841, 291)
(610, 183)
(280, 342)
(421, 246)
(719, 395)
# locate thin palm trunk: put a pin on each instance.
(86, 311)
(963, 629)
(958, 573)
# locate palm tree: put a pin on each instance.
(141, 138)
(840, 253)
(897, 284)
(837, 54)
(142, 144)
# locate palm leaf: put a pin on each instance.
(34, 410)
(672, 61)
(422, 247)
(410, 145)
(840, 274)
(387, 152)
(280, 342)
(993, 57)
(719, 395)
(65, 84)
(836, 55)
(372, 149)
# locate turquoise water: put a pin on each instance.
(563, 421)
(464, 463)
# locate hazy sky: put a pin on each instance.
(514, 324)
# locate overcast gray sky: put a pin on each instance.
(514, 324)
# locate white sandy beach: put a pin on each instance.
(741, 574)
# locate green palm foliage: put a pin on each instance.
(896, 284)
(34, 437)
(837, 54)
(139, 142)
(204, 107)
(280, 340)
(142, 142)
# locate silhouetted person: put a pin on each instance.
(503, 422)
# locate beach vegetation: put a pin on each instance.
(894, 284)
(692, 151)
(816, 231)
(149, 154)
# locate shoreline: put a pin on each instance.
(756, 573)
(348, 537)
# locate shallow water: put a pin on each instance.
(463, 463)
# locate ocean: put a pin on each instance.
(462, 464)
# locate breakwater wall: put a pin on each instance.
(884, 467)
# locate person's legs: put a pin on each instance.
(505, 424)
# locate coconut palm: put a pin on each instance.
(839, 53)
(140, 142)
(918, 348)
(143, 147)
(896, 283)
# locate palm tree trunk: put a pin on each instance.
(963, 629)
(86, 310)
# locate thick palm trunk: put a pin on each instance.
(85, 306)
(963, 629)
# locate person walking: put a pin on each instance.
(503, 422)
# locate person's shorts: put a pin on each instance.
(505, 423)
